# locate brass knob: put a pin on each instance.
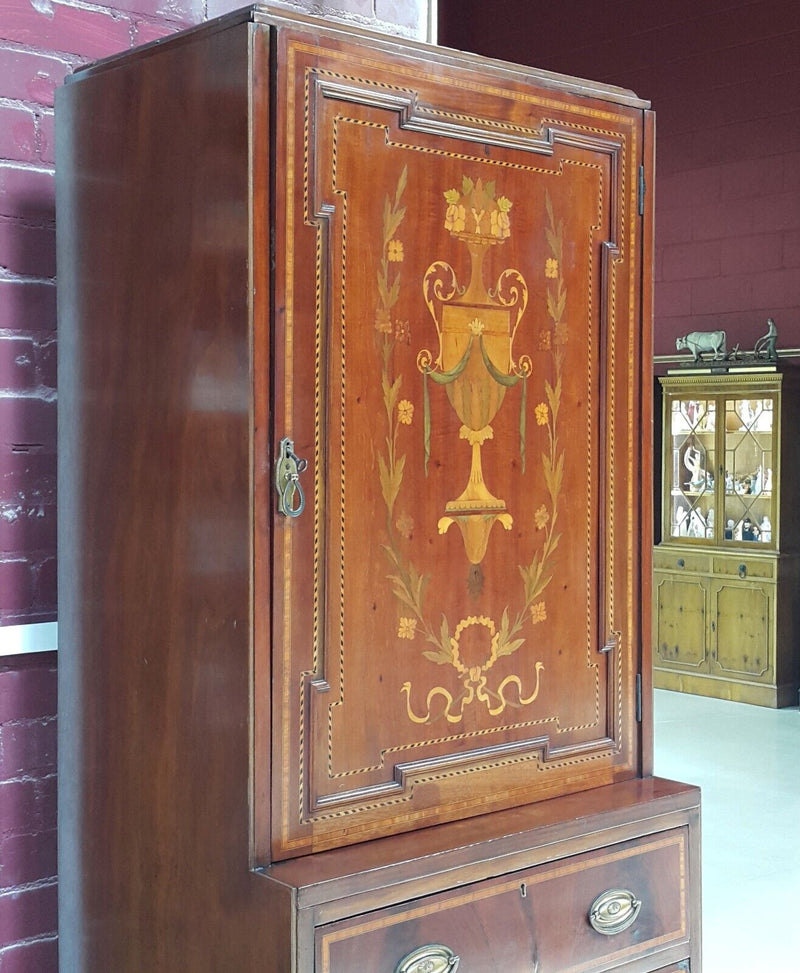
(614, 911)
(433, 958)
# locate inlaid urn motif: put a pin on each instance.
(475, 362)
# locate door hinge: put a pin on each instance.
(638, 697)
(642, 189)
(613, 641)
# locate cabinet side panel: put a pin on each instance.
(155, 487)
(263, 439)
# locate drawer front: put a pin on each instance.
(667, 559)
(744, 567)
(535, 916)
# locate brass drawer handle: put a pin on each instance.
(742, 570)
(614, 911)
(429, 959)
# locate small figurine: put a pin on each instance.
(766, 529)
(768, 480)
(697, 527)
(766, 346)
(681, 527)
(692, 461)
(729, 530)
(749, 530)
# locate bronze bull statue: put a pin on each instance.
(700, 342)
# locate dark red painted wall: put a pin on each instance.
(724, 79)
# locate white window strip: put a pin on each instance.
(433, 22)
(35, 637)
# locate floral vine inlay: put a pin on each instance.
(481, 216)
(537, 575)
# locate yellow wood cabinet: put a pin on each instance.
(725, 572)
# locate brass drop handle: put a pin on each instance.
(742, 570)
(614, 911)
(291, 499)
(433, 958)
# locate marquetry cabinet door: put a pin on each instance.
(458, 402)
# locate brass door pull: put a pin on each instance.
(614, 911)
(433, 958)
(291, 499)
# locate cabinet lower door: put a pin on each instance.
(680, 615)
(743, 644)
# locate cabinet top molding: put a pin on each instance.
(269, 16)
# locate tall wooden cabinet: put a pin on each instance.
(354, 546)
(726, 615)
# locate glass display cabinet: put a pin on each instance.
(724, 621)
(720, 474)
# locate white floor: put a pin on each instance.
(747, 761)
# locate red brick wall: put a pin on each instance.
(28, 889)
(41, 41)
(724, 79)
